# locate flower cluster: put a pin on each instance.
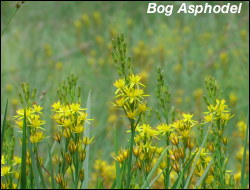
(130, 96)
(70, 120)
(34, 122)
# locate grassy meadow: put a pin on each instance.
(150, 123)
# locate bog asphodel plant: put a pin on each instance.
(70, 118)
(167, 148)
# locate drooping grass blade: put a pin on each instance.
(3, 126)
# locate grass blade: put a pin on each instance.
(51, 152)
(150, 175)
(117, 165)
(198, 156)
(51, 169)
(23, 164)
(203, 175)
(243, 165)
(87, 134)
(3, 126)
(177, 183)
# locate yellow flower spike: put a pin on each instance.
(87, 140)
(5, 170)
(37, 137)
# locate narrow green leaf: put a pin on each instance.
(177, 183)
(199, 182)
(150, 175)
(243, 165)
(87, 134)
(51, 169)
(117, 165)
(3, 126)
(51, 152)
(198, 156)
(23, 164)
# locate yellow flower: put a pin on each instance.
(37, 108)
(120, 102)
(164, 128)
(16, 160)
(78, 129)
(188, 118)
(208, 118)
(3, 159)
(78, 24)
(5, 170)
(85, 19)
(135, 80)
(37, 137)
(76, 108)
(142, 107)
(36, 122)
(120, 84)
(233, 98)
(131, 114)
(56, 106)
(87, 140)
(146, 131)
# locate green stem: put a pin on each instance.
(130, 154)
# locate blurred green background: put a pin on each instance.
(47, 41)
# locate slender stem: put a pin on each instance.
(130, 154)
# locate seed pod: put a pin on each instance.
(68, 158)
(81, 175)
(57, 137)
(82, 155)
(176, 167)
